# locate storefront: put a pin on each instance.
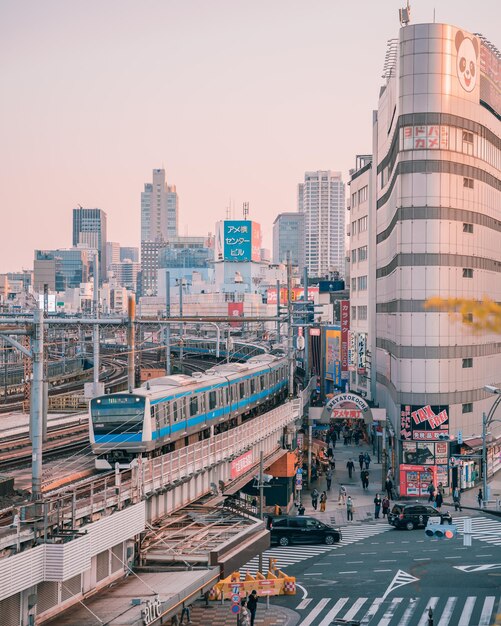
(415, 480)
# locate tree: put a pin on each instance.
(479, 315)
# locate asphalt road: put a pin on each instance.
(391, 579)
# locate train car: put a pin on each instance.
(150, 419)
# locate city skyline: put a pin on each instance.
(81, 107)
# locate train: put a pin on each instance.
(164, 413)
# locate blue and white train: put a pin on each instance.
(166, 412)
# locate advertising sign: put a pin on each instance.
(362, 353)
(256, 242)
(352, 351)
(415, 479)
(297, 294)
(237, 240)
(235, 309)
(333, 356)
(240, 465)
(490, 77)
(425, 423)
(345, 327)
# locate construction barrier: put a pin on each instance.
(275, 583)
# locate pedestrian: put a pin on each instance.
(377, 506)
(431, 492)
(386, 506)
(480, 498)
(366, 479)
(314, 498)
(244, 617)
(351, 466)
(439, 501)
(323, 502)
(361, 460)
(456, 497)
(328, 478)
(186, 612)
(388, 485)
(349, 509)
(252, 601)
(342, 495)
(441, 490)
(300, 510)
(333, 438)
(367, 460)
(356, 437)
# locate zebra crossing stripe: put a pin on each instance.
(309, 619)
(469, 605)
(409, 612)
(387, 617)
(447, 613)
(485, 618)
(303, 604)
(424, 617)
(355, 608)
(333, 612)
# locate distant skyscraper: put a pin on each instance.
(288, 237)
(89, 228)
(321, 199)
(129, 252)
(159, 222)
(112, 253)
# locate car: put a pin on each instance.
(410, 515)
(301, 529)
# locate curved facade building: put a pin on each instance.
(437, 149)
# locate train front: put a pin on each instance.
(119, 431)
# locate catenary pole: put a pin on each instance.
(36, 416)
(167, 327)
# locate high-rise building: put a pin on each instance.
(321, 199)
(89, 228)
(159, 209)
(60, 269)
(437, 163)
(126, 273)
(112, 253)
(129, 252)
(159, 223)
(288, 238)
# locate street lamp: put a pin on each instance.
(487, 420)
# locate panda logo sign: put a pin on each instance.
(467, 60)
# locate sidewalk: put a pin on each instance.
(469, 496)
(217, 614)
(362, 499)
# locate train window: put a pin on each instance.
(261, 378)
(242, 390)
(227, 395)
(252, 386)
(193, 406)
(212, 400)
(174, 411)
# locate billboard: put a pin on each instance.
(490, 77)
(297, 294)
(238, 241)
(345, 327)
(362, 353)
(235, 309)
(352, 351)
(241, 464)
(425, 423)
(333, 356)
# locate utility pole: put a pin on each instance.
(484, 456)
(36, 416)
(131, 342)
(290, 329)
(261, 500)
(95, 329)
(278, 311)
(167, 327)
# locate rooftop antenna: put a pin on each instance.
(245, 210)
(404, 15)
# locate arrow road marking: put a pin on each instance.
(478, 568)
(401, 578)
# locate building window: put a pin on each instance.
(362, 194)
(467, 228)
(362, 312)
(362, 224)
(468, 182)
(353, 312)
(362, 283)
(362, 253)
(353, 200)
(468, 407)
(353, 228)
(467, 272)
(353, 284)
(467, 363)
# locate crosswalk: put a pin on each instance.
(398, 611)
(289, 555)
(483, 528)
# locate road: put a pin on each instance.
(387, 577)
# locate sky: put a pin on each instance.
(236, 99)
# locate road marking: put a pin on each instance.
(409, 611)
(387, 617)
(382, 570)
(303, 604)
(485, 618)
(333, 612)
(400, 579)
(425, 558)
(373, 609)
(351, 572)
(310, 618)
(305, 593)
(351, 562)
(447, 613)
(399, 551)
(481, 555)
(368, 552)
(469, 605)
(355, 608)
(452, 557)
(388, 560)
(314, 574)
(424, 617)
(478, 568)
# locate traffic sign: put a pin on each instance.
(460, 437)
(235, 598)
(235, 609)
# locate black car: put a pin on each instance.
(413, 515)
(301, 529)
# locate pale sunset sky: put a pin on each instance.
(235, 99)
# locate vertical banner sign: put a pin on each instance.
(362, 353)
(345, 327)
(352, 351)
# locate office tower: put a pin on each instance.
(159, 223)
(437, 154)
(89, 228)
(61, 269)
(126, 273)
(288, 237)
(321, 199)
(129, 252)
(112, 253)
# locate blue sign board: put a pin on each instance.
(238, 240)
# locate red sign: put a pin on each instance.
(235, 309)
(354, 414)
(297, 293)
(241, 465)
(345, 327)
(415, 479)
